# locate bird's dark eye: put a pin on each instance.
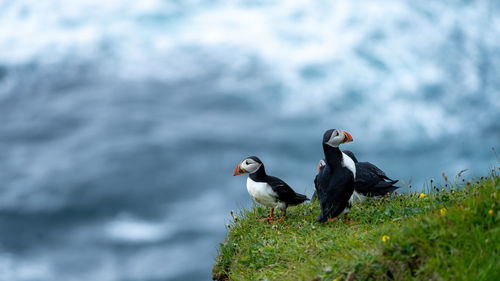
(246, 163)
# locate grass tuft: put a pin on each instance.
(452, 232)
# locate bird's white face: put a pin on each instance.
(247, 166)
(338, 137)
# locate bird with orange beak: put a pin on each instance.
(336, 177)
(267, 190)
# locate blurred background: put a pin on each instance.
(121, 121)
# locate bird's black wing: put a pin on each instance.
(366, 178)
(370, 180)
(284, 191)
(374, 169)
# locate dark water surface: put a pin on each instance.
(121, 122)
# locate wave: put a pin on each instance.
(144, 107)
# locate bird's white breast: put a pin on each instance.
(348, 163)
(262, 193)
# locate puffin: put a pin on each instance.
(321, 164)
(335, 181)
(268, 190)
(370, 180)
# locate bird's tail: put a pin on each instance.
(298, 198)
(384, 187)
(390, 181)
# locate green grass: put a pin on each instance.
(446, 235)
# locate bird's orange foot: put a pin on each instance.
(346, 219)
(332, 219)
(278, 220)
(269, 217)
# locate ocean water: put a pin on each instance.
(121, 121)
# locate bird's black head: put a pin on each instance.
(255, 158)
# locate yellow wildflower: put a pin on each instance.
(443, 211)
(385, 238)
(422, 195)
(490, 212)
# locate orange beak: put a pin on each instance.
(238, 170)
(347, 137)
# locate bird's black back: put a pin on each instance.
(282, 189)
(371, 181)
(334, 188)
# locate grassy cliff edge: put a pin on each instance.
(447, 232)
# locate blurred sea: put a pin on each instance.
(121, 121)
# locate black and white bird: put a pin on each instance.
(370, 180)
(335, 181)
(267, 190)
